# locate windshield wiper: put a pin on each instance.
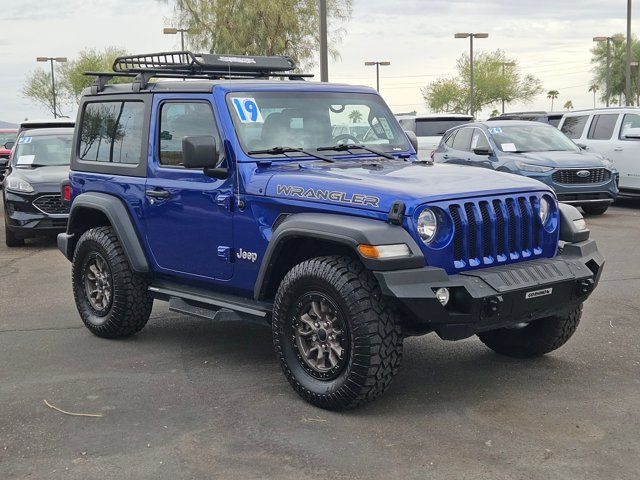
(343, 147)
(282, 150)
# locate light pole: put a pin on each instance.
(53, 78)
(174, 31)
(614, 38)
(627, 90)
(324, 57)
(377, 64)
(471, 36)
(506, 64)
(637, 64)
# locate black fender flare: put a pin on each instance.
(343, 230)
(117, 214)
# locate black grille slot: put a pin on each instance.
(51, 205)
(525, 223)
(582, 176)
(473, 238)
(486, 228)
(499, 226)
(511, 212)
(458, 249)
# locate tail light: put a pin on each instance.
(65, 191)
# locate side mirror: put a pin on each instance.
(9, 145)
(582, 146)
(483, 151)
(632, 133)
(413, 139)
(202, 152)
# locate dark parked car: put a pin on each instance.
(7, 139)
(552, 118)
(534, 150)
(32, 200)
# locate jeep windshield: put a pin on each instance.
(315, 120)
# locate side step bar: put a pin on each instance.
(209, 301)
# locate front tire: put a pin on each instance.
(113, 301)
(11, 240)
(338, 341)
(536, 338)
(595, 209)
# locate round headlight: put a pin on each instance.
(427, 225)
(545, 210)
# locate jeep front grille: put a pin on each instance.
(581, 176)
(51, 205)
(493, 231)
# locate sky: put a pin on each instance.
(550, 39)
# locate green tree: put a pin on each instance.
(73, 79)
(618, 66)
(568, 105)
(260, 27)
(355, 116)
(552, 94)
(38, 89)
(491, 86)
(70, 79)
(594, 88)
(494, 113)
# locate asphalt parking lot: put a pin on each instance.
(193, 399)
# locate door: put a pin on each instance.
(626, 153)
(459, 152)
(188, 214)
(599, 134)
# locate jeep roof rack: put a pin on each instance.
(185, 64)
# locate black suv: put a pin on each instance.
(32, 200)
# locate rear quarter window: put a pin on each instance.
(574, 126)
(112, 132)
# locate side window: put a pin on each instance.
(602, 126)
(479, 140)
(574, 126)
(179, 120)
(463, 139)
(630, 120)
(449, 141)
(112, 132)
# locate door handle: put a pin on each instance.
(617, 149)
(157, 193)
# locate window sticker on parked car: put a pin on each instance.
(26, 159)
(24, 140)
(248, 110)
(494, 130)
(509, 147)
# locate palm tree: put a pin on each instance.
(355, 116)
(552, 94)
(568, 105)
(594, 88)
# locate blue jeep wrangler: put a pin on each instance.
(244, 188)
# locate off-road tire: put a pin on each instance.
(595, 209)
(11, 240)
(375, 341)
(131, 303)
(537, 338)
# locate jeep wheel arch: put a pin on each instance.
(94, 209)
(330, 234)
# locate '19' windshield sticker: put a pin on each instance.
(248, 110)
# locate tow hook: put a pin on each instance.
(584, 287)
(492, 305)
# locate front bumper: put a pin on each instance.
(25, 220)
(496, 297)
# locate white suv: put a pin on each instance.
(612, 132)
(430, 128)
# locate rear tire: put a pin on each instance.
(595, 209)
(113, 301)
(536, 338)
(11, 239)
(362, 333)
